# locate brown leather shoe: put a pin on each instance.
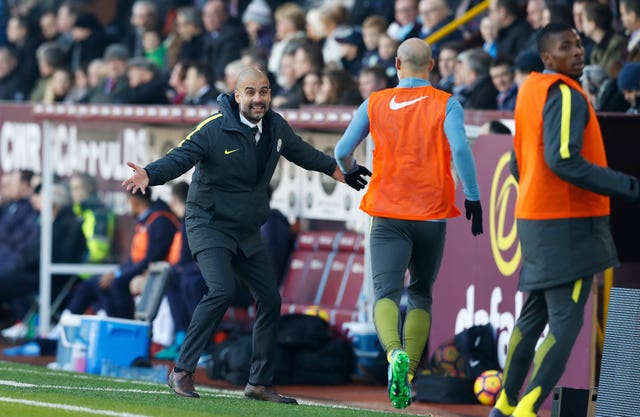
(182, 383)
(264, 393)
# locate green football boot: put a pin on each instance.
(398, 383)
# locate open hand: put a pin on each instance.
(139, 180)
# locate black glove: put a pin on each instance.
(355, 179)
(474, 212)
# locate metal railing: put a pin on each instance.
(456, 23)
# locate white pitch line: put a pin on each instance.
(72, 408)
(62, 387)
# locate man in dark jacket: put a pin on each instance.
(513, 31)
(226, 36)
(12, 85)
(146, 85)
(17, 220)
(235, 153)
(476, 90)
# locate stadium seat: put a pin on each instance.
(306, 272)
(326, 270)
(323, 240)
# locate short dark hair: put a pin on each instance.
(26, 175)
(600, 14)
(89, 182)
(497, 127)
(502, 60)
(138, 195)
(561, 13)
(378, 73)
(204, 70)
(457, 46)
(548, 31)
(510, 6)
(631, 6)
(180, 190)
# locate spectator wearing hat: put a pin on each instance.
(145, 85)
(258, 22)
(89, 40)
(526, 62)
(629, 84)
(114, 83)
(352, 50)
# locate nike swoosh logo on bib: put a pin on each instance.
(394, 105)
(227, 152)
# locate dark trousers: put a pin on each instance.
(563, 309)
(220, 268)
(395, 246)
(398, 244)
(184, 292)
(115, 300)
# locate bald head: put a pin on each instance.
(414, 56)
(250, 76)
(253, 94)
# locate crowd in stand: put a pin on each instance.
(316, 52)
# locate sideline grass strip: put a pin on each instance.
(33, 391)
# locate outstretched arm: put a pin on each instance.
(356, 132)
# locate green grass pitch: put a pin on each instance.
(31, 391)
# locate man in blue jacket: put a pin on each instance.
(235, 153)
(156, 226)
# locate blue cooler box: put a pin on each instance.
(366, 346)
(119, 341)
